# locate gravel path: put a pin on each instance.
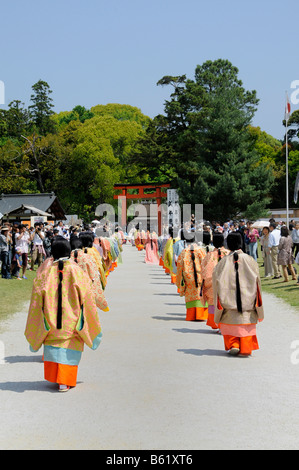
(156, 382)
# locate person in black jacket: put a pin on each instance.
(241, 230)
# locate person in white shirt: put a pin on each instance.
(38, 251)
(22, 241)
(60, 229)
(274, 239)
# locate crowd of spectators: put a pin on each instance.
(24, 247)
(279, 244)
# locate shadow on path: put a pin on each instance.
(21, 387)
(26, 386)
(204, 352)
(189, 330)
(16, 359)
(169, 318)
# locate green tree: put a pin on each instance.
(152, 155)
(41, 109)
(210, 147)
(14, 174)
(78, 113)
(14, 122)
(18, 119)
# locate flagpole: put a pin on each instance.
(287, 165)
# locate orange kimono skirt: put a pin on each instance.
(210, 320)
(62, 374)
(242, 337)
(196, 311)
(61, 365)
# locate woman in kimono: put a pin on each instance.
(62, 316)
(208, 264)
(168, 253)
(151, 249)
(87, 263)
(178, 246)
(237, 298)
(106, 255)
(114, 251)
(87, 242)
(138, 242)
(188, 281)
(119, 237)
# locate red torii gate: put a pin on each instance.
(158, 194)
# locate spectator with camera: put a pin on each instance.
(38, 252)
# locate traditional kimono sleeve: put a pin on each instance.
(94, 275)
(96, 255)
(258, 294)
(217, 305)
(259, 301)
(37, 327)
(168, 254)
(204, 271)
(88, 327)
(180, 277)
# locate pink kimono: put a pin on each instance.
(151, 251)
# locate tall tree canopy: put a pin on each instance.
(41, 109)
(78, 154)
(204, 141)
(203, 144)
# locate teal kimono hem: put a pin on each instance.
(97, 341)
(62, 355)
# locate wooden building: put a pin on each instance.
(24, 207)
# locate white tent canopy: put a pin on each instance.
(261, 224)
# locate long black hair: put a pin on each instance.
(76, 244)
(87, 240)
(218, 242)
(206, 239)
(234, 243)
(194, 266)
(61, 248)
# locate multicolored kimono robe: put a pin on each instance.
(98, 260)
(80, 321)
(238, 329)
(177, 248)
(188, 281)
(143, 237)
(138, 241)
(106, 258)
(151, 250)
(161, 246)
(88, 264)
(112, 249)
(120, 241)
(207, 267)
(168, 255)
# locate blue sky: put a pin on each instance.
(97, 52)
